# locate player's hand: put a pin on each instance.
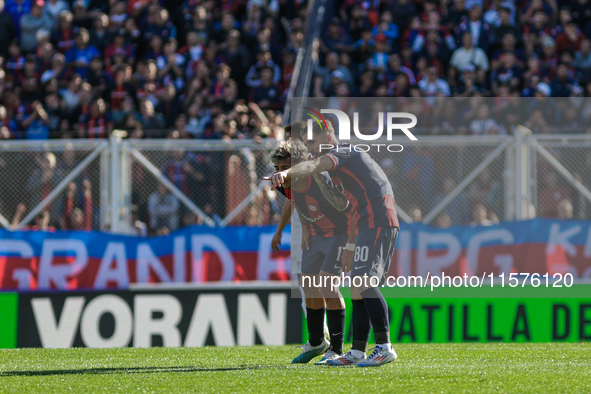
(347, 260)
(276, 242)
(277, 179)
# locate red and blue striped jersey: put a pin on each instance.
(324, 219)
(366, 187)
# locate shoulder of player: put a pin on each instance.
(301, 185)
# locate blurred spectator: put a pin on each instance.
(458, 209)
(479, 192)
(41, 221)
(254, 76)
(484, 124)
(468, 54)
(100, 36)
(75, 218)
(16, 9)
(565, 210)
(415, 214)
(564, 85)
(432, 85)
(480, 216)
(82, 53)
(419, 173)
(443, 220)
(267, 94)
(338, 38)
(31, 23)
(163, 209)
(550, 196)
(7, 31)
(582, 60)
(54, 7)
(96, 123)
(331, 65)
(150, 119)
(36, 122)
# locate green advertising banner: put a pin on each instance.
(418, 319)
(8, 320)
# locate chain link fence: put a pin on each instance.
(222, 183)
(561, 177)
(45, 186)
(150, 187)
(429, 170)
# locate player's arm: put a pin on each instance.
(305, 230)
(285, 216)
(334, 196)
(301, 170)
(347, 256)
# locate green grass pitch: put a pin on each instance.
(431, 368)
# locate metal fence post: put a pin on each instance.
(115, 150)
(509, 179)
(125, 159)
(104, 190)
(522, 173)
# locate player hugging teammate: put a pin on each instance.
(373, 230)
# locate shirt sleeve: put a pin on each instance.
(339, 157)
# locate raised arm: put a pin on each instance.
(301, 170)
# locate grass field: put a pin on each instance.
(433, 368)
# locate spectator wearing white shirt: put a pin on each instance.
(484, 124)
(468, 54)
(163, 209)
(432, 85)
(54, 7)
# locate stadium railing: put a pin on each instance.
(219, 183)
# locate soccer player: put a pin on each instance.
(288, 213)
(324, 235)
(377, 229)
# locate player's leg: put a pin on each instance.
(335, 304)
(296, 255)
(315, 305)
(296, 262)
(361, 327)
(373, 254)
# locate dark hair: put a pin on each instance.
(292, 148)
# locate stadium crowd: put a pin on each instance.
(189, 69)
(220, 69)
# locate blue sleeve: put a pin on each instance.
(392, 32)
(71, 55)
(339, 157)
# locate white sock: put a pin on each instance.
(357, 353)
(384, 346)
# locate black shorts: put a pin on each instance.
(324, 255)
(374, 249)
